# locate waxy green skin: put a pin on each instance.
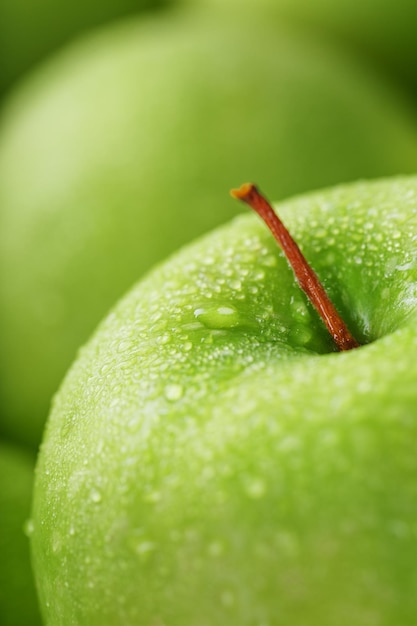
(380, 30)
(124, 148)
(18, 602)
(211, 460)
(30, 31)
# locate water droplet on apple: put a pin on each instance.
(56, 542)
(95, 496)
(164, 339)
(174, 392)
(259, 275)
(28, 528)
(105, 369)
(187, 346)
(144, 549)
(123, 346)
(300, 335)
(219, 317)
(255, 488)
(269, 261)
(156, 316)
(300, 310)
(153, 496)
(235, 284)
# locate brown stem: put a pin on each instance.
(305, 275)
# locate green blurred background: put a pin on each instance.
(123, 123)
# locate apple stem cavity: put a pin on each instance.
(305, 275)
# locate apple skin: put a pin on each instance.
(384, 30)
(211, 460)
(381, 30)
(18, 602)
(124, 148)
(28, 33)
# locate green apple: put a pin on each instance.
(30, 30)
(18, 603)
(210, 459)
(383, 30)
(123, 148)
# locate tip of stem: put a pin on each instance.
(242, 192)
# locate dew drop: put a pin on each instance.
(219, 317)
(56, 543)
(29, 528)
(187, 346)
(300, 310)
(174, 392)
(259, 275)
(255, 488)
(95, 496)
(123, 346)
(105, 369)
(300, 335)
(235, 284)
(164, 339)
(153, 496)
(145, 548)
(269, 261)
(156, 317)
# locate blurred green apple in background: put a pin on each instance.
(384, 30)
(211, 460)
(124, 147)
(32, 29)
(18, 603)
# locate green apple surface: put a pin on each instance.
(211, 460)
(383, 30)
(18, 602)
(30, 30)
(124, 148)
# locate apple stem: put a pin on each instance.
(305, 275)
